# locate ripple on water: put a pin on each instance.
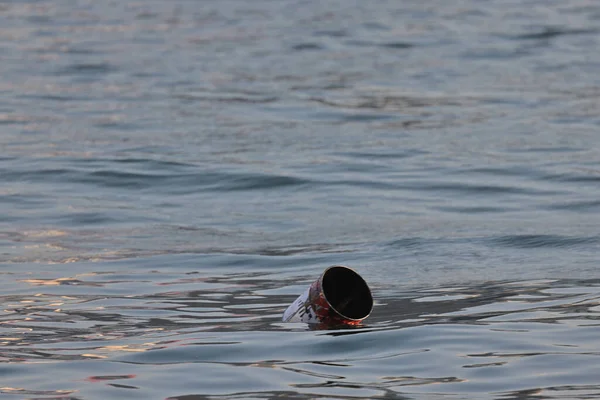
(221, 337)
(144, 175)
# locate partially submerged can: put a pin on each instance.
(339, 297)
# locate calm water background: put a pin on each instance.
(174, 173)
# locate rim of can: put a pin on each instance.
(357, 275)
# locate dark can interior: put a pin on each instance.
(347, 292)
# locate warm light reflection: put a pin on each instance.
(58, 281)
(127, 348)
(67, 260)
(46, 282)
(44, 233)
(10, 389)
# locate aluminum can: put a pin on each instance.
(339, 297)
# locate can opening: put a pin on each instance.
(347, 292)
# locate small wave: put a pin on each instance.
(474, 209)
(89, 218)
(228, 97)
(185, 181)
(592, 177)
(398, 154)
(408, 243)
(385, 45)
(253, 182)
(307, 46)
(397, 45)
(552, 32)
(331, 33)
(537, 241)
(299, 249)
(40, 175)
(471, 188)
(577, 206)
(151, 164)
(22, 200)
(383, 100)
(510, 171)
(87, 69)
(547, 149)
(219, 181)
(17, 119)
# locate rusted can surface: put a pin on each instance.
(339, 297)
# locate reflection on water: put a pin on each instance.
(222, 336)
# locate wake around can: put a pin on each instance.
(339, 297)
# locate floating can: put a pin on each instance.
(339, 297)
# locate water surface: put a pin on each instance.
(173, 174)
